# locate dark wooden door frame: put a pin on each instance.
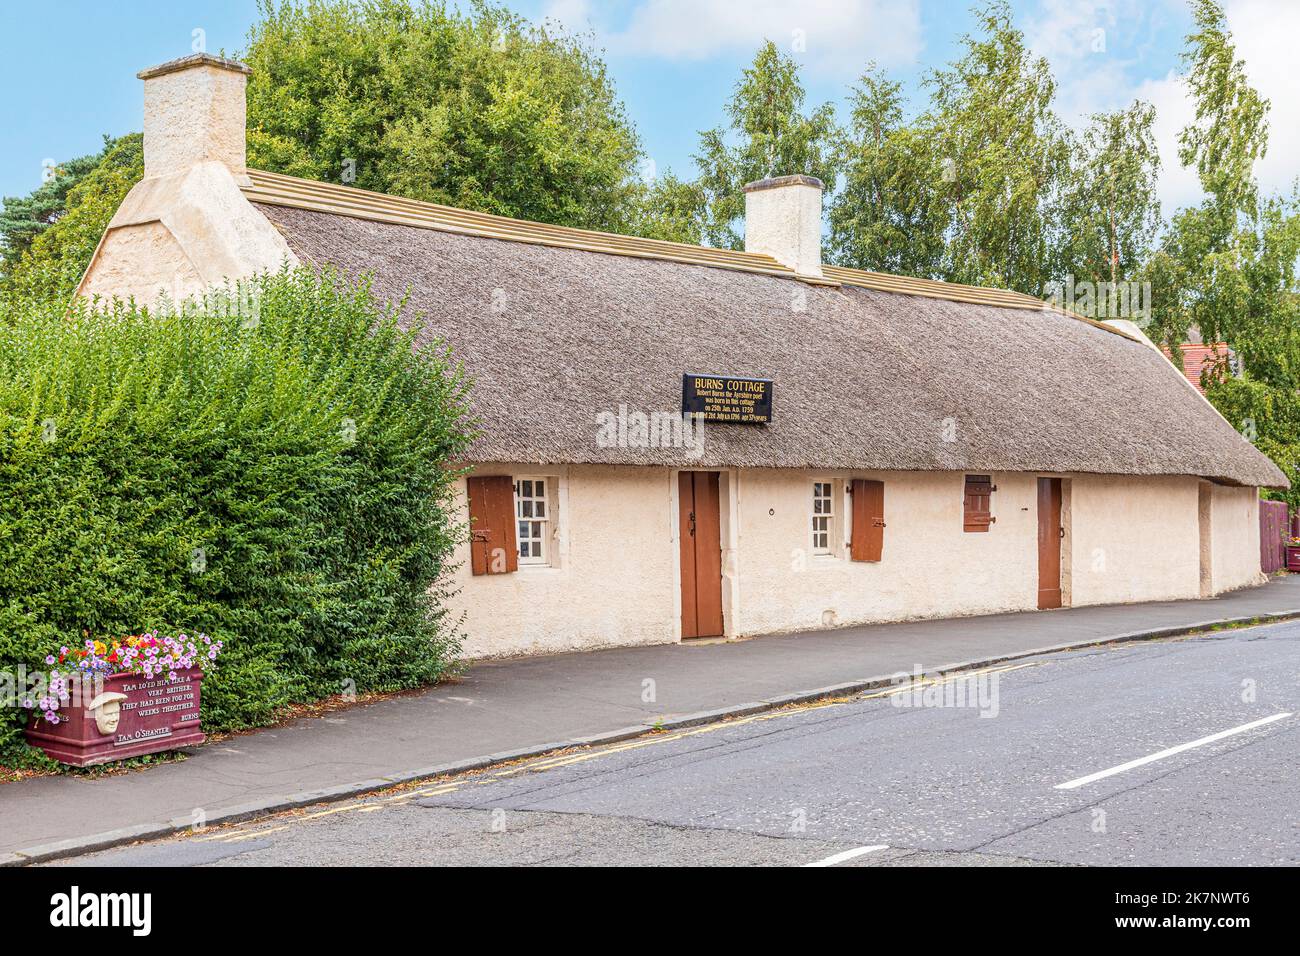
(700, 529)
(1050, 533)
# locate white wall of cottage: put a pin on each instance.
(615, 577)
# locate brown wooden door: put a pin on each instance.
(701, 537)
(1050, 533)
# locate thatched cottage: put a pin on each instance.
(872, 447)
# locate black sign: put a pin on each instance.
(725, 398)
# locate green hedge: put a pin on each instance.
(271, 467)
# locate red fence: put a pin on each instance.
(1272, 535)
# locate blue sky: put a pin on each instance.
(70, 75)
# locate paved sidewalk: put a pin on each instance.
(528, 705)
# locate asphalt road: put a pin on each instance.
(967, 772)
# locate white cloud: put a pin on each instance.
(1263, 31)
(831, 37)
(574, 15)
(1079, 39)
(1070, 30)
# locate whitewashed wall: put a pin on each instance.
(613, 579)
(1235, 550)
(616, 582)
(1133, 539)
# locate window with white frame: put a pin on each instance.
(533, 517)
(823, 513)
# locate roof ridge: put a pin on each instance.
(277, 189)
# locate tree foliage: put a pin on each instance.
(50, 237)
(1001, 157)
(986, 184)
(889, 216)
(23, 218)
(478, 110)
(1109, 210)
(1226, 270)
(768, 134)
(672, 209)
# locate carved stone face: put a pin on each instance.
(107, 711)
(108, 716)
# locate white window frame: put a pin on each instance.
(823, 491)
(530, 502)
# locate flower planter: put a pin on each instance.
(1293, 559)
(133, 715)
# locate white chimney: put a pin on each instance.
(783, 219)
(194, 112)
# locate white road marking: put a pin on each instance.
(835, 858)
(1072, 784)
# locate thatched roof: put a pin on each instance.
(552, 334)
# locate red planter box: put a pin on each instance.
(152, 715)
(1292, 559)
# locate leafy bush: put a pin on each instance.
(270, 467)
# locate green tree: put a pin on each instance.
(1227, 267)
(23, 218)
(768, 135)
(479, 110)
(1000, 156)
(1230, 131)
(887, 216)
(672, 209)
(1110, 212)
(52, 262)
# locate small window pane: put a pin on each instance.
(823, 510)
(531, 519)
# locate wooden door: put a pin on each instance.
(1050, 533)
(701, 546)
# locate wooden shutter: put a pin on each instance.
(977, 505)
(868, 541)
(492, 525)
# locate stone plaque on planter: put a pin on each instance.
(133, 715)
